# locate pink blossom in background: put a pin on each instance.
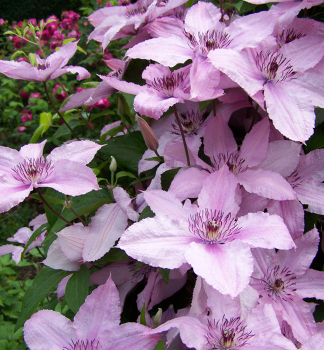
(24, 95)
(59, 93)
(26, 115)
(21, 129)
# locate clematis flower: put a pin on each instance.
(205, 235)
(95, 326)
(64, 169)
(277, 73)
(283, 279)
(46, 69)
(216, 321)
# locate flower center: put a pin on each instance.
(227, 334)
(168, 84)
(232, 160)
(83, 345)
(294, 179)
(32, 171)
(134, 12)
(287, 36)
(190, 121)
(274, 66)
(213, 226)
(139, 271)
(279, 283)
(211, 40)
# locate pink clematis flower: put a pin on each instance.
(205, 235)
(283, 279)
(277, 74)
(95, 326)
(46, 69)
(64, 169)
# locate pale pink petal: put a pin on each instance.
(32, 150)
(21, 236)
(125, 202)
(106, 227)
(76, 151)
(71, 178)
(78, 99)
(188, 183)
(9, 158)
(282, 157)
(219, 192)
(151, 103)
(130, 336)
(165, 27)
(226, 267)
(264, 231)
(266, 183)
(203, 17)
(299, 317)
(204, 79)
(312, 194)
(60, 291)
(167, 51)
(165, 203)
(255, 144)
(251, 30)
(158, 241)
(304, 53)
(301, 258)
(12, 192)
(316, 342)
(57, 260)
(311, 285)
(48, 330)
(238, 68)
(124, 86)
(218, 138)
(15, 251)
(71, 240)
(290, 109)
(292, 213)
(99, 313)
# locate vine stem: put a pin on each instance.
(182, 135)
(60, 115)
(50, 208)
(78, 216)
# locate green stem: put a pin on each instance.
(78, 216)
(182, 134)
(59, 114)
(51, 209)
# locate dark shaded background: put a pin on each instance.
(18, 10)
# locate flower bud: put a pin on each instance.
(113, 164)
(150, 139)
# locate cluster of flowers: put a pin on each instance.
(233, 215)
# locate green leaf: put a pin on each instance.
(167, 177)
(142, 318)
(43, 284)
(114, 254)
(49, 199)
(83, 205)
(91, 84)
(317, 139)
(77, 288)
(310, 221)
(146, 213)
(9, 32)
(134, 71)
(81, 50)
(17, 53)
(125, 173)
(159, 345)
(204, 104)
(37, 133)
(53, 194)
(49, 239)
(319, 115)
(63, 129)
(32, 59)
(127, 149)
(45, 119)
(156, 159)
(111, 132)
(165, 274)
(66, 41)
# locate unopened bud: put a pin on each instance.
(158, 318)
(113, 164)
(150, 139)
